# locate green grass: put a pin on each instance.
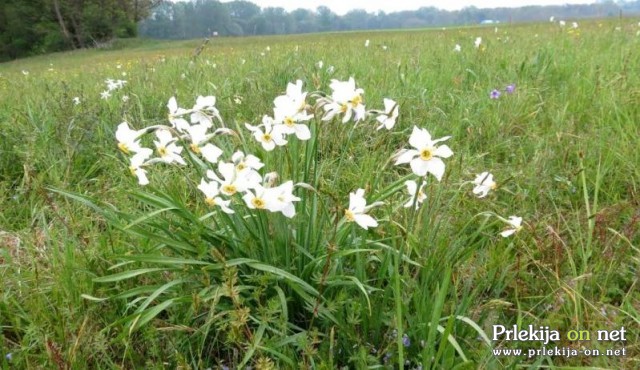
(562, 148)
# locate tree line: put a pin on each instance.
(202, 18)
(29, 27)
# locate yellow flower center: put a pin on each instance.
(259, 203)
(229, 189)
(356, 100)
(123, 147)
(494, 186)
(349, 215)
(162, 150)
(426, 154)
(210, 201)
(132, 170)
(289, 121)
(266, 137)
(195, 148)
(343, 108)
(241, 166)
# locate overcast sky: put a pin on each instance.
(342, 6)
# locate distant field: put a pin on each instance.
(191, 286)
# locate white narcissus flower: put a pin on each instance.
(271, 136)
(412, 188)
(287, 113)
(426, 156)
(247, 166)
(484, 183)
(175, 115)
(135, 165)
(457, 48)
(259, 198)
(105, 95)
(388, 119)
(168, 151)
(477, 42)
(346, 99)
(198, 136)
(128, 139)
(366, 43)
(204, 110)
(515, 224)
(357, 210)
(211, 191)
(283, 199)
(232, 181)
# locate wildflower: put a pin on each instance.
(320, 64)
(175, 115)
(495, 94)
(271, 136)
(125, 98)
(289, 112)
(76, 100)
(515, 223)
(105, 95)
(405, 340)
(259, 198)
(25, 72)
(477, 42)
(388, 119)
(484, 183)
(357, 210)
(366, 43)
(135, 165)
(283, 199)
(203, 110)
(384, 47)
(211, 191)
(510, 89)
(412, 188)
(562, 23)
(426, 156)
(457, 48)
(330, 69)
(551, 19)
(198, 136)
(232, 181)
(247, 166)
(128, 139)
(345, 99)
(574, 24)
(169, 152)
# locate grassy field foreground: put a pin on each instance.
(194, 288)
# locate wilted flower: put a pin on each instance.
(412, 188)
(211, 191)
(168, 151)
(271, 136)
(495, 94)
(484, 183)
(515, 226)
(388, 119)
(426, 156)
(357, 210)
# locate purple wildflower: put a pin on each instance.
(9, 356)
(405, 340)
(510, 89)
(495, 94)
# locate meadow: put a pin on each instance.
(99, 271)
